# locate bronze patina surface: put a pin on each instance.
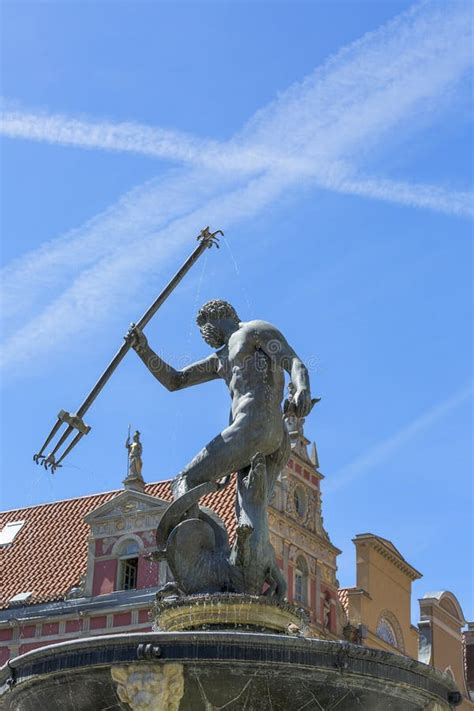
(251, 358)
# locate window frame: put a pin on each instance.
(123, 559)
(301, 573)
(389, 619)
(14, 527)
(125, 571)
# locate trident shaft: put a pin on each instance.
(74, 421)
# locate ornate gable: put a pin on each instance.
(122, 537)
(129, 510)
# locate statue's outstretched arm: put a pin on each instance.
(172, 379)
(200, 372)
(275, 345)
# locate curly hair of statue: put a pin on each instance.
(216, 309)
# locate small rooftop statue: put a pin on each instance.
(134, 478)
(251, 358)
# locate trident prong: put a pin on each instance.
(74, 421)
(50, 463)
(210, 237)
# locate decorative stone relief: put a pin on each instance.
(327, 574)
(313, 546)
(326, 556)
(136, 522)
(108, 543)
(128, 506)
(149, 537)
(292, 552)
(150, 687)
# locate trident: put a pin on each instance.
(74, 421)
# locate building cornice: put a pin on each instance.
(113, 602)
(388, 551)
(436, 601)
(352, 592)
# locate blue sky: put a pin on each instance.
(332, 142)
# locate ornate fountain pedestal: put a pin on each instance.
(230, 611)
(221, 666)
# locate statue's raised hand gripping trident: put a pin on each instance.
(251, 358)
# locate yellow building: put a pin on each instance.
(378, 613)
(379, 606)
(442, 643)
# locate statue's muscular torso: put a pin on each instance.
(255, 381)
(251, 363)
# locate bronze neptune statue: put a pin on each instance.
(251, 357)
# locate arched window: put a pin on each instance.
(300, 503)
(128, 564)
(386, 632)
(301, 580)
(389, 630)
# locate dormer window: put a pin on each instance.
(9, 531)
(128, 565)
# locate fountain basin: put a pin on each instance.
(206, 670)
(227, 611)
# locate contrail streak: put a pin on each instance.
(385, 449)
(316, 134)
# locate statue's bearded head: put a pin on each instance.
(213, 320)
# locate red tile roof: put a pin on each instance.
(343, 595)
(49, 553)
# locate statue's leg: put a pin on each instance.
(230, 451)
(276, 462)
(277, 584)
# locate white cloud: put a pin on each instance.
(370, 86)
(107, 284)
(316, 133)
(128, 137)
(452, 202)
(378, 454)
(356, 96)
(132, 219)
